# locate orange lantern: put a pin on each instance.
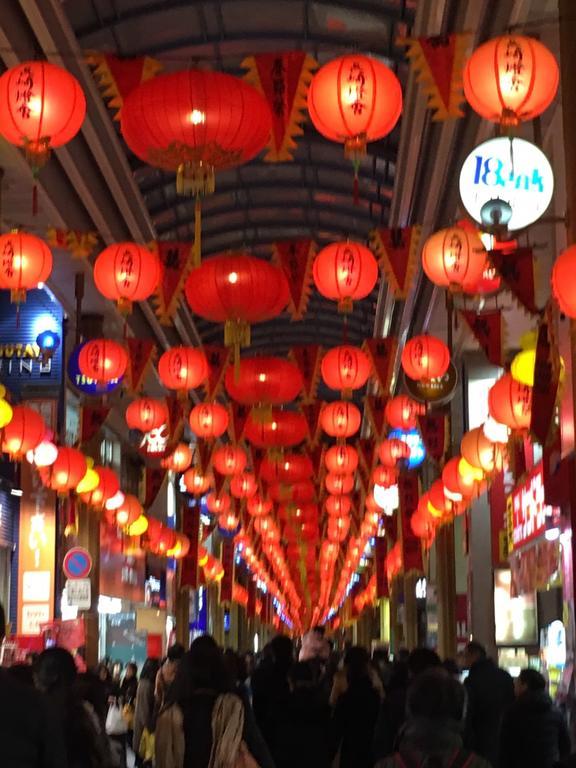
(243, 486)
(339, 484)
(102, 360)
(146, 414)
(259, 507)
(229, 460)
(284, 429)
(108, 486)
(129, 511)
(218, 504)
(563, 289)
(338, 528)
(453, 258)
(402, 412)
(67, 471)
(180, 458)
(425, 357)
(289, 468)
(25, 261)
(264, 380)
(456, 487)
(345, 368)
(209, 420)
(43, 107)
(510, 79)
(127, 272)
(338, 505)
(23, 433)
(341, 459)
(387, 476)
(183, 368)
(510, 402)
(481, 452)
(345, 272)
(196, 482)
(340, 419)
(228, 523)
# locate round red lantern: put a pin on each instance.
(345, 368)
(563, 289)
(165, 541)
(386, 476)
(25, 261)
(259, 507)
(354, 99)
(338, 505)
(180, 458)
(127, 272)
(183, 368)
(402, 412)
(345, 272)
(425, 357)
(338, 528)
(290, 468)
(43, 107)
(342, 459)
(23, 433)
(67, 471)
(285, 429)
(455, 488)
(340, 419)
(481, 452)
(218, 504)
(339, 484)
(390, 452)
(108, 486)
(196, 482)
(209, 420)
(266, 380)
(510, 79)
(298, 492)
(510, 402)
(243, 486)
(229, 460)
(422, 524)
(146, 414)
(129, 511)
(103, 360)
(440, 503)
(453, 258)
(228, 523)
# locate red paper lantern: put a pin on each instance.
(298, 492)
(481, 452)
(340, 419)
(345, 272)
(259, 507)
(402, 412)
(345, 368)
(196, 482)
(341, 459)
(209, 420)
(390, 452)
(338, 528)
(510, 403)
(267, 380)
(180, 458)
(354, 99)
(422, 524)
(127, 272)
(454, 485)
(386, 476)
(183, 368)
(23, 433)
(563, 288)
(285, 430)
(228, 522)
(438, 499)
(425, 357)
(43, 107)
(25, 261)
(107, 487)
(218, 504)
(102, 360)
(453, 258)
(129, 511)
(146, 414)
(164, 541)
(339, 484)
(510, 79)
(290, 468)
(338, 505)
(243, 486)
(229, 460)
(67, 471)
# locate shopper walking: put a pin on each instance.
(270, 688)
(144, 707)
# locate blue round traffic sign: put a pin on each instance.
(77, 563)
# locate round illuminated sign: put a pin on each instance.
(507, 175)
(435, 391)
(413, 440)
(83, 383)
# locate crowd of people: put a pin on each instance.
(209, 708)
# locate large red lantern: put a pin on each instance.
(425, 357)
(25, 261)
(196, 482)
(402, 412)
(339, 484)
(454, 258)
(563, 288)
(266, 380)
(209, 420)
(23, 433)
(342, 459)
(127, 272)
(300, 492)
(345, 368)
(338, 505)
(146, 414)
(289, 468)
(180, 458)
(183, 368)
(510, 79)
(243, 486)
(102, 360)
(229, 460)
(283, 430)
(108, 486)
(67, 471)
(345, 272)
(340, 419)
(43, 107)
(510, 403)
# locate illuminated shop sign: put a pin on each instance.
(527, 511)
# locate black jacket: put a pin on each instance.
(302, 730)
(534, 734)
(353, 721)
(490, 694)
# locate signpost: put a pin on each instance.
(77, 563)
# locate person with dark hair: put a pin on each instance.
(534, 733)
(490, 694)
(392, 713)
(55, 676)
(167, 673)
(270, 688)
(355, 713)
(202, 720)
(144, 705)
(432, 734)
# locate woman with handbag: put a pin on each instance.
(143, 724)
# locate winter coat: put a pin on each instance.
(302, 731)
(352, 726)
(534, 733)
(143, 711)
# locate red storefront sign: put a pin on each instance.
(528, 509)
(189, 564)
(227, 581)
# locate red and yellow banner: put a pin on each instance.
(177, 261)
(308, 358)
(382, 353)
(408, 494)
(296, 258)
(117, 77)
(79, 244)
(141, 353)
(516, 268)
(434, 431)
(218, 360)
(487, 328)
(397, 250)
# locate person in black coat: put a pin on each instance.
(270, 688)
(355, 713)
(490, 694)
(534, 734)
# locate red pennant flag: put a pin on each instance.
(296, 258)
(176, 258)
(93, 417)
(408, 494)
(218, 359)
(118, 77)
(438, 63)
(397, 250)
(154, 477)
(382, 353)
(227, 581)
(141, 353)
(487, 328)
(312, 414)
(283, 80)
(365, 447)
(434, 431)
(238, 421)
(189, 563)
(175, 417)
(546, 382)
(316, 455)
(202, 451)
(380, 552)
(517, 457)
(375, 406)
(308, 358)
(497, 501)
(516, 268)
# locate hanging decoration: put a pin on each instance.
(374, 406)
(346, 368)
(91, 421)
(397, 250)
(308, 358)
(547, 373)
(434, 430)
(425, 357)
(117, 77)
(153, 481)
(516, 269)
(454, 258)
(345, 272)
(24, 431)
(487, 329)
(176, 260)
(283, 80)
(102, 360)
(25, 261)
(408, 494)
(127, 272)
(264, 381)
(311, 413)
(340, 419)
(227, 581)
(141, 353)
(437, 63)
(78, 243)
(208, 420)
(402, 412)
(146, 413)
(296, 257)
(563, 281)
(510, 403)
(382, 352)
(183, 368)
(218, 360)
(284, 430)
(240, 415)
(175, 417)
